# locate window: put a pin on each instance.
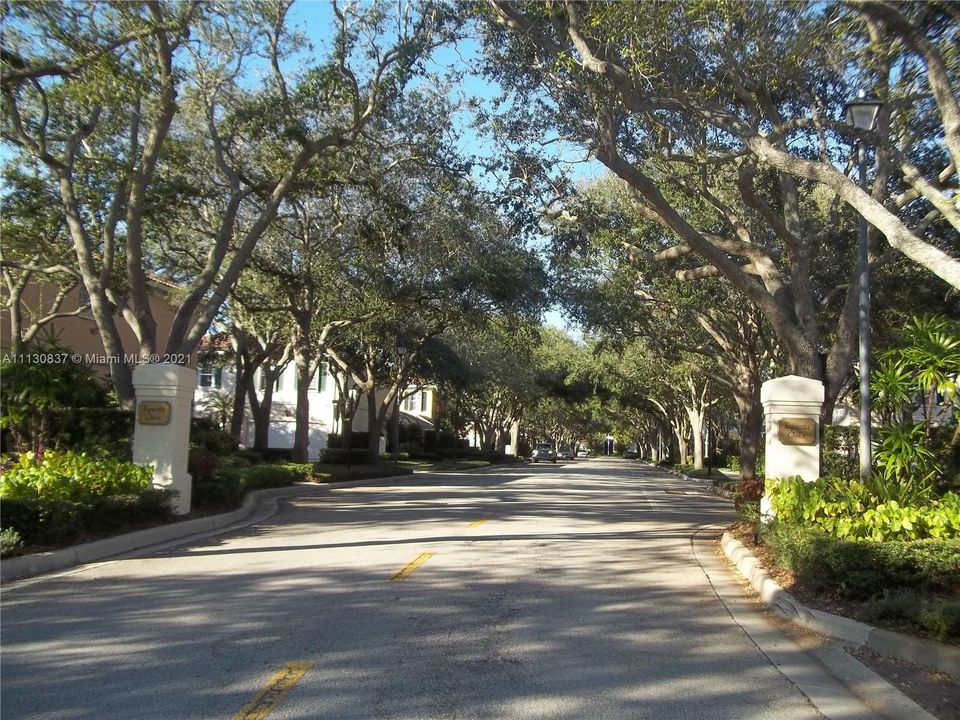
(210, 377)
(322, 377)
(262, 382)
(424, 401)
(410, 403)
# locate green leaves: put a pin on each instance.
(851, 510)
(71, 476)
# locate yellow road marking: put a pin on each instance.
(408, 570)
(475, 523)
(273, 692)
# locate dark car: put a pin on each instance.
(543, 452)
(629, 454)
(565, 453)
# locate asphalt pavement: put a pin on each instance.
(581, 590)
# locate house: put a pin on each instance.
(73, 324)
(216, 385)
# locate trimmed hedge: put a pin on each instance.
(53, 523)
(339, 456)
(358, 440)
(256, 477)
(937, 616)
(862, 570)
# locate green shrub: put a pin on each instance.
(938, 616)
(32, 393)
(839, 451)
(338, 456)
(861, 570)
(267, 476)
(202, 464)
(854, 510)
(237, 460)
(72, 476)
(251, 456)
(205, 434)
(358, 440)
(44, 523)
(118, 513)
(220, 495)
(275, 455)
(10, 542)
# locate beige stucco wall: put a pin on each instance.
(79, 333)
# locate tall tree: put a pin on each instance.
(730, 108)
(106, 96)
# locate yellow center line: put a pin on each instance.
(273, 692)
(413, 565)
(475, 523)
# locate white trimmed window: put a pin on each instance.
(210, 377)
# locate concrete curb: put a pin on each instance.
(852, 633)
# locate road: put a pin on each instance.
(554, 591)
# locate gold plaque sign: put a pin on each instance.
(797, 431)
(153, 413)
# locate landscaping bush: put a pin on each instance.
(223, 493)
(267, 476)
(10, 542)
(34, 395)
(937, 616)
(434, 440)
(201, 464)
(111, 514)
(205, 434)
(44, 523)
(67, 475)
(839, 451)
(358, 440)
(110, 430)
(339, 456)
(854, 510)
(277, 455)
(860, 569)
(251, 456)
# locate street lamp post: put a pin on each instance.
(862, 114)
(401, 351)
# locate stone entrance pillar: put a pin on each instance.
(161, 436)
(791, 409)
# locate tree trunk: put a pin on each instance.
(751, 422)
(374, 427)
(261, 420)
(244, 383)
(261, 411)
(301, 433)
(696, 427)
(682, 445)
